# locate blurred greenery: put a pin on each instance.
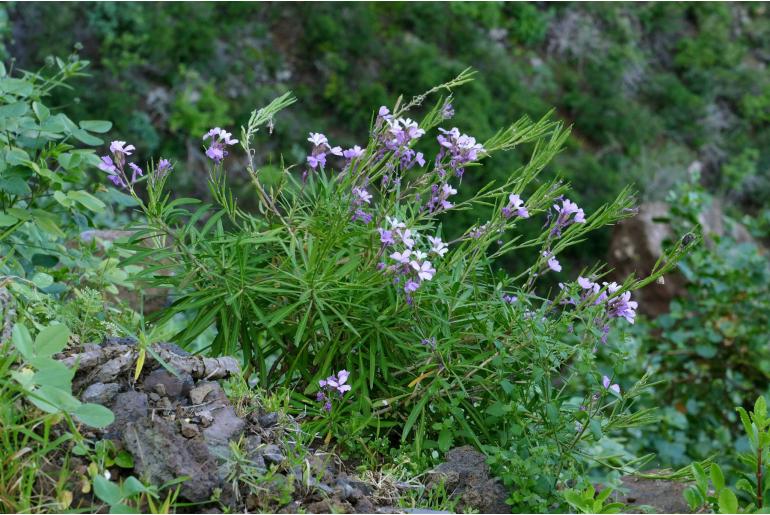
(650, 88)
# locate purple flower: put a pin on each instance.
(136, 171)
(353, 153)
(553, 263)
(461, 149)
(425, 271)
(386, 237)
(438, 246)
(515, 206)
(402, 257)
(447, 111)
(318, 140)
(622, 306)
(108, 165)
(121, 147)
(316, 161)
(610, 387)
(331, 385)
(362, 215)
(362, 195)
(564, 212)
(220, 139)
(411, 286)
(510, 299)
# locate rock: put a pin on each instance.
(100, 393)
(206, 418)
(664, 496)
(164, 382)
(200, 392)
(128, 407)
(330, 506)
(638, 242)
(272, 454)
(465, 473)
(364, 505)
(268, 420)
(189, 430)
(162, 454)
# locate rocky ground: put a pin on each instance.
(182, 424)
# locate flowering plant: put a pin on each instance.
(347, 267)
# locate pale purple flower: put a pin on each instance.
(622, 306)
(419, 255)
(362, 194)
(411, 286)
(395, 224)
(337, 151)
(564, 212)
(420, 159)
(553, 263)
(438, 246)
(447, 111)
(510, 299)
(386, 237)
(316, 161)
(318, 139)
(108, 165)
(121, 147)
(406, 236)
(353, 153)
(461, 148)
(425, 271)
(585, 283)
(136, 171)
(611, 387)
(515, 207)
(362, 215)
(220, 139)
(402, 257)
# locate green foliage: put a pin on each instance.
(587, 501)
(48, 382)
(750, 483)
(710, 351)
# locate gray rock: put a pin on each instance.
(466, 474)
(272, 454)
(664, 496)
(100, 393)
(189, 430)
(162, 454)
(268, 420)
(164, 382)
(128, 407)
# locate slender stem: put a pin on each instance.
(760, 502)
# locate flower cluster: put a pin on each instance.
(398, 138)
(333, 385)
(220, 140)
(567, 214)
(515, 207)
(606, 383)
(409, 264)
(461, 149)
(439, 199)
(115, 165)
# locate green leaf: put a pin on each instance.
(700, 477)
(106, 490)
(98, 126)
(717, 478)
(124, 460)
(13, 110)
(22, 340)
(123, 508)
(132, 486)
(51, 340)
(52, 373)
(760, 412)
(94, 415)
(694, 498)
(728, 503)
(62, 199)
(596, 429)
(444, 440)
(15, 186)
(53, 400)
(86, 138)
(87, 200)
(42, 280)
(41, 111)
(7, 220)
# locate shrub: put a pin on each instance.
(343, 289)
